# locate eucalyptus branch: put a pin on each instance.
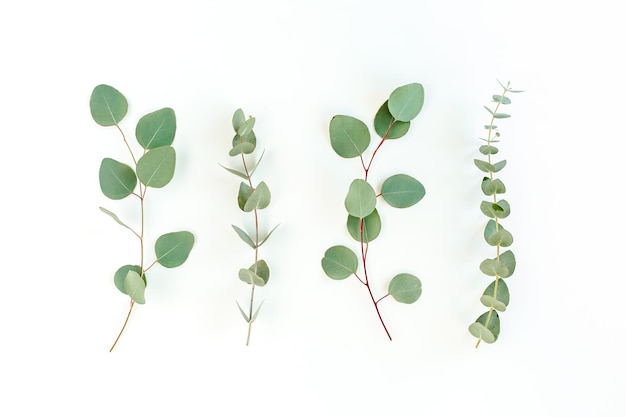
(155, 133)
(350, 138)
(250, 199)
(496, 296)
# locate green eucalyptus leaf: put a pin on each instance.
(501, 116)
(108, 106)
(499, 165)
(497, 298)
(371, 227)
(238, 119)
(120, 276)
(349, 137)
(172, 249)
(256, 313)
(114, 217)
(268, 236)
(497, 236)
(117, 180)
(250, 277)
(499, 210)
(492, 187)
(156, 129)
(406, 102)
(246, 127)
(244, 236)
(259, 199)
(135, 287)
(491, 127)
(488, 150)
(489, 110)
(484, 166)
(244, 194)
(361, 199)
(156, 167)
(501, 99)
(262, 270)
(494, 267)
(255, 166)
(234, 171)
(245, 316)
(243, 147)
(243, 144)
(486, 327)
(508, 260)
(402, 191)
(405, 288)
(386, 126)
(339, 262)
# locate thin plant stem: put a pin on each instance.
(142, 196)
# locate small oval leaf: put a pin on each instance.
(349, 137)
(117, 180)
(120, 276)
(238, 119)
(496, 297)
(405, 288)
(406, 102)
(135, 287)
(156, 167)
(172, 249)
(371, 227)
(259, 199)
(402, 191)
(339, 262)
(156, 129)
(386, 126)
(108, 106)
(487, 331)
(361, 199)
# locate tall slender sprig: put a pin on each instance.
(154, 168)
(250, 199)
(350, 138)
(496, 295)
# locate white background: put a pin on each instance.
(317, 347)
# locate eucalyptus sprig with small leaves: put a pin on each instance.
(154, 168)
(496, 295)
(350, 138)
(250, 199)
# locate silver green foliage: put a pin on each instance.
(155, 168)
(350, 138)
(250, 199)
(496, 296)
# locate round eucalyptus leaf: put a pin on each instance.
(243, 144)
(496, 235)
(386, 126)
(156, 167)
(361, 199)
(488, 150)
(494, 267)
(238, 119)
(246, 127)
(156, 129)
(499, 210)
(349, 136)
(117, 180)
(108, 106)
(501, 99)
(405, 288)
(499, 165)
(508, 260)
(339, 262)
(259, 199)
(172, 249)
(135, 287)
(487, 331)
(371, 227)
(120, 276)
(402, 191)
(244, 194)
(484, 166)
(262, 270)
(406, 102)
(492, 187)
(250, 277)
(497, 298)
